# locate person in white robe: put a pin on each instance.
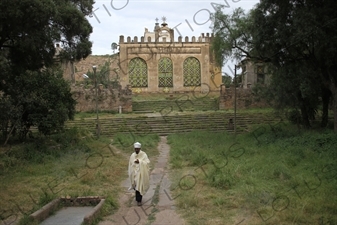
(139, 172)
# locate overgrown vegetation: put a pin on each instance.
(292, 44)
(32, 90)
(41, 99)
(269, 176)
(277, 174)
(72, 163)
(149, 144)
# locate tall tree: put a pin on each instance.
(37, 98)
(295, 34)
(232, 38)
(226, 80)
(32, 89)
(29, 30)
(297, 42)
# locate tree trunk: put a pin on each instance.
(304, 111)
(334, 107)
(332, 71)
(305, 117)
(330, 81)
(326, 95)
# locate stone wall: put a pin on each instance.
(111, 99)
(152, 51)
(108, 99)
(74, 71)
(244, 99)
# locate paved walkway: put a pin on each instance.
(158, 207)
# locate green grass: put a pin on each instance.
(149, 144)
(264, 177)
(68, 164)
(286, 174)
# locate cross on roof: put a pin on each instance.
(157, 20)
(164, 19)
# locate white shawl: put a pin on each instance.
(139, 172)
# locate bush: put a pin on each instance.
(45, 147)
(295, 117)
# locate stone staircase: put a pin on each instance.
(182, 103)
(173, 123)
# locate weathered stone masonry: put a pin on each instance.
(179, 75)
(108, 99)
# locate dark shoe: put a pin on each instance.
(139, 203)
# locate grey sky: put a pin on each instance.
(113, 18)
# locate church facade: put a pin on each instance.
(157, 63)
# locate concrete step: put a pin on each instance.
(182, 103)
(172, 123)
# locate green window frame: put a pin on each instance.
(192, 72)
(137, 70)
(165, 72)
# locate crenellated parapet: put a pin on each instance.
(166, 63)
(136, 40)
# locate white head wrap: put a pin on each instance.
(137, 145)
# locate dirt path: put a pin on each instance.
(158, 207)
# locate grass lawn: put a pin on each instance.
(272, 175)
(69, 164)
(283, 176)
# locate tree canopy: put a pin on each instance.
(32, 90)
(29, 30)
(37, 98)
(296, 39)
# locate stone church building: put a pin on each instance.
(156, 62)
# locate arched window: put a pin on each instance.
(137, 70)
(165, 72)
(192, 72)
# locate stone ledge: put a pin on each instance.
(45, 211)
(51, 207)
(81, 201)
(90, 217)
